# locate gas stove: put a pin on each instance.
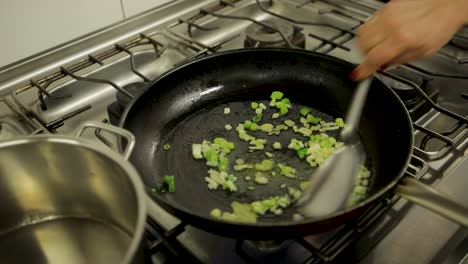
(94, 78)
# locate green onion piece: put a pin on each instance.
(275, 115)
(216, 213)
(257, 118)
(269, 155)
(227, 110)
(211, 158)
(260, 178)
(262, 106)
(277, 145)
(239, 167)
(266, 127)
(258, 111)
(251, 188)
(247, 124)
(240, 161)
(247, 178)
(286, 102)
(253, 127)
(287, 171)
(254, 105)
(289, 123)
(304, 111)
(168, 183)
(277, 95)
(301, 153)
(340, 122)
(264, 165)
(283, 185)
(313, 120)
(197, 151)
(257, 144)
(167, 147)
(223, 163)
(228, 127)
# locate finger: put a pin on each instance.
(370, 34)
(383, 54)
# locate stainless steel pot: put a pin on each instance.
(67, 200)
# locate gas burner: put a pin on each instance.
(413, 101)
(261, 250)
(266, 36)
(116, 109)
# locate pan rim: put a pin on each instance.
(366, 202)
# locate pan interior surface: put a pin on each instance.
(186, 106)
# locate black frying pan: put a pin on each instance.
(185, 106)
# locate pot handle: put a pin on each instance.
(112, 129)
(431, 199)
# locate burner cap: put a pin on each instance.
(261, 36)
(408, 94)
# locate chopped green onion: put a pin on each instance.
(266, 127)
(197, 151)
(289, 123)
(247, 178)
(275, 115)
(168, 183)
(241, 213)
(253, 127)
(223, 163)
(227, 110)
(339, 122)
(239, 167)
(257, 144)
(216, 213)
(283, 185)
(262, 106)
(228, 127)
(301, 153)
(277, 145)
(269, 155)
(304, 111)
(260, 178)
(251, 188)
(239, 161)
(258, 111)
(294, 193)
(277, 95)
(265, 165)
(313, 120)
(287, 171)
(167, 147)
(254, 105)
(257, 118)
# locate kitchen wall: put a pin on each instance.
(31, 26)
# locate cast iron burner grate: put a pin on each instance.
(412, 99)
(266, 35)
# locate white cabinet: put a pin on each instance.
(30, 26)
(133, 7)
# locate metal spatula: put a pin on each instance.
(332, 183)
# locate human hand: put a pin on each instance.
(407, 30)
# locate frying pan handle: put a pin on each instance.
(111, 129)
(429, 198)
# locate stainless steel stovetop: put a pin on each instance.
(55, 91)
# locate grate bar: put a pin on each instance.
(251, 20)
(302, 22)
(87, 79)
